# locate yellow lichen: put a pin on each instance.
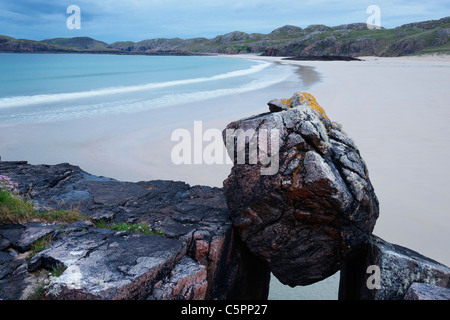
(287, 102)
(309, 100)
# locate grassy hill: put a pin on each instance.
(350, 39)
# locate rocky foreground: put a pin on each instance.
(199, 255)
(311, 217)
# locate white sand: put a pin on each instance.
(395, 109)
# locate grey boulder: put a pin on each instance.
(312, 204)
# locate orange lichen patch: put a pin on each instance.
(286, 101)
(309, 99)
(305, 98)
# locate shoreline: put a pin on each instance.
(109, 144)
(425, 57)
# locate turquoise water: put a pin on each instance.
(52, 87)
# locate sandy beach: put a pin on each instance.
(395, 109)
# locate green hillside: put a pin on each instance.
(355, 39)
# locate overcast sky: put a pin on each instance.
(135, 20)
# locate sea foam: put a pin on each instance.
(19, 101)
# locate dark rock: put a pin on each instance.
(10, 234)
(188, 281)
(5, 257)
(272, 52)
(4, 243)
(196, 217)
(33, 231)
(323, 58)
(277, 105)
(307, 215)
(16, 282)
(399, 268)
(104, 264)
(425, 291)
(21, 237)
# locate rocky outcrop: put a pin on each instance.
(305, 217)
(105, 264)
(399, 269)
(199, 255)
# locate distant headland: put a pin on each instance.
(348, 40)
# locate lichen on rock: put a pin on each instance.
(306, 218)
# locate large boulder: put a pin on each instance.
(299, 192)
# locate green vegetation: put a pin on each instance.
(40, 245)
(40, 289)
(141, 227)
(353, 39)
(14, 209)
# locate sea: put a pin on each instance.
(53, 87)
(43, 88)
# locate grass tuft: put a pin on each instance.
(14, 209)
(141, 227)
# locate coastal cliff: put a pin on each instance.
(303, 219)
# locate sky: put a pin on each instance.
(136, 20)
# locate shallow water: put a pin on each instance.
(49, 87)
